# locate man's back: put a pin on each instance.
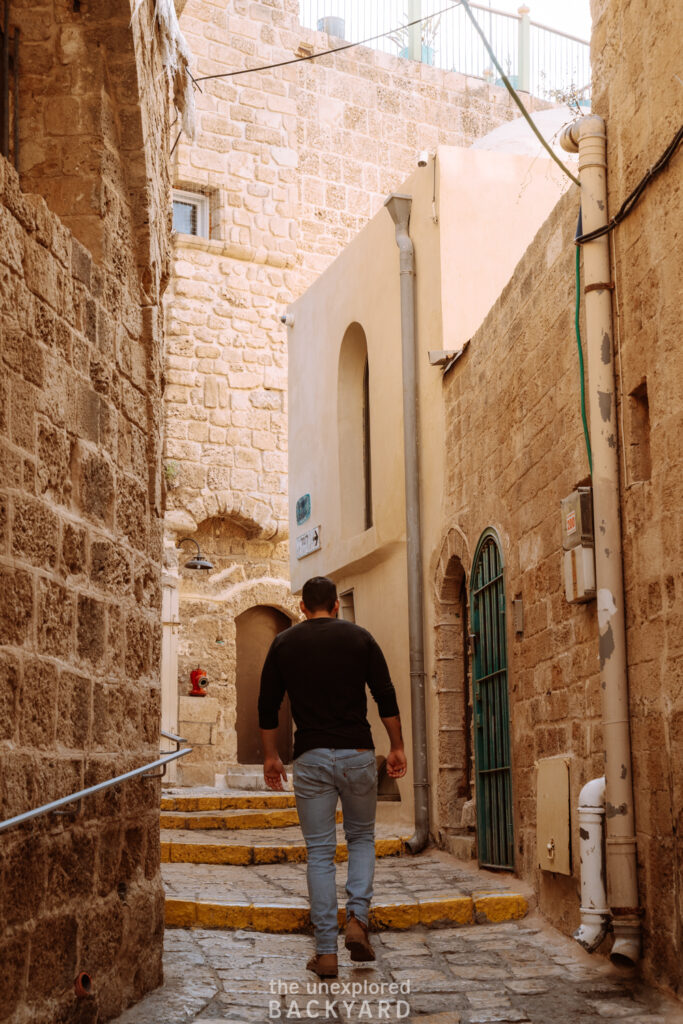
(324, 665)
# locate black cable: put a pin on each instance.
(631, 200)
(324, 53)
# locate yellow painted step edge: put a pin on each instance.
(264, 801)
(264, 917)
(211, 853)
(264, 819)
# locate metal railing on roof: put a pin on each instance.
(146, 771)
(549, 64)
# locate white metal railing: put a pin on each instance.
(146, 772)
(536, 59)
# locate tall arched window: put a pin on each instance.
(353, 420)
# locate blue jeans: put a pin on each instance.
(321, 776)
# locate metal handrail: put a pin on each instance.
(554, 31)
(73, 797)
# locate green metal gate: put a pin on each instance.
(495, 839)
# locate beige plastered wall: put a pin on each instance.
(478, 196)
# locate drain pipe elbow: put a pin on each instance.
(419, 839)
(625, 951)
(398, 207)
(591, 126)
(594, 911)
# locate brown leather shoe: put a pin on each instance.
(357, 941)
(323, 964)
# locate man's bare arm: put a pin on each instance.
(273, 768)
(397, 763)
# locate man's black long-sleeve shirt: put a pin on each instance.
(324, 665)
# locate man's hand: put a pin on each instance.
(274, 772)
(397, 764)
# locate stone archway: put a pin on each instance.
(249, 573)
(453, 697)
(255, 630)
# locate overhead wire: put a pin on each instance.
(336, 49)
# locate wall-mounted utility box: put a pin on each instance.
(578, 541)
(577, 519)
(553, 815)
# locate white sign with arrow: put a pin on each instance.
(308, 542)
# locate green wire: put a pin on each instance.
(578, 342)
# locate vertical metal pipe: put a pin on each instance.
(399, 209)
(588, 136)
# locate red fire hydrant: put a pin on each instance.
(199, 682)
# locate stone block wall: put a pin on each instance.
(515, 448)
(79, 625)
(515, 444)
(295, 162)
(81, 355)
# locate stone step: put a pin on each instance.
(443, 911)
(270, 846)
(428, 889)
(220, 802)
(231, 819)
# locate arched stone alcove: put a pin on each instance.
(453, 698)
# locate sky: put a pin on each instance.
(572, 16)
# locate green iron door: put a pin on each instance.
(491, 714)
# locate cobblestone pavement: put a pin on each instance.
(397, 879)
(517, 972)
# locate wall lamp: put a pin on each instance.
(197, 561)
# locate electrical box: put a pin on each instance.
(553, 832)
(578, 545)
(577, 519)
(579, 575)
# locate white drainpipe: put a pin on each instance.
(595, 913)
(588, 137)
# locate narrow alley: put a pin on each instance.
(341, 436)
(454, 945)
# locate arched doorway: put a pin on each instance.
(495, 839)
(255, 630)
(452, 693)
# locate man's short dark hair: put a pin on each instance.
(319, 594)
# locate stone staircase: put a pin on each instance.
(233, 859)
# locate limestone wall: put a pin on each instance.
(295, 161)
(80, 513)
(515, 448)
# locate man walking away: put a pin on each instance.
(324, 665)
